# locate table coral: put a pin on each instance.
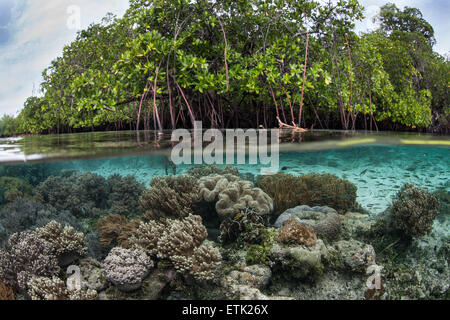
(127, 268)
(233, 195)
(294, 232)
(170, 197)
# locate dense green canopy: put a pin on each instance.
(167, 63)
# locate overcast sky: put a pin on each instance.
(33, 33)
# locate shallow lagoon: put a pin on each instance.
(377, 164)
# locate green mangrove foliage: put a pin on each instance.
(167, 63)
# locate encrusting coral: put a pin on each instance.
(127, 268)
(293, 232)
(43, 288)
(26, 257)
(67, 243)
(116, 229)
(288, 191)
(415, 210)
(233, 195)
(170, 197)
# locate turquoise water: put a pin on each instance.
(50, 178)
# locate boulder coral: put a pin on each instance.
(294, 232)
(127, 268)
(414, 211)
(233, 195)
(170, 197)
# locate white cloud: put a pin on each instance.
(39, 33)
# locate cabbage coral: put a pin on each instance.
(233, 195)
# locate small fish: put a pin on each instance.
(362, 173)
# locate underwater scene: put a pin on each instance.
(111, 217)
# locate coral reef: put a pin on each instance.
(233, 195)
(25, 214)
(415, 210)
(14, 189)
(247, 226)
(68, 244)
(170, 197)
(6, 292)
(288, 191)
(294, 232)
(124, 194)
(116, 229)
(127, 268)
(325, 221)
(81, 194)
(27, 256)
(356, 256)
(43, 288)
(182, 242)
(206, 170)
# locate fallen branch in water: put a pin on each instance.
(293, 127)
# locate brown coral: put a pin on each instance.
(116, 229)
(170, 197)
(289, 191)
(233, 195)
(6, 292)
(146, 237)
(293, 232)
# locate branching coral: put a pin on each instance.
(115, 229)
(415, 210)
(207, 170)
(170, 197)
(127, 268)
(66, 242)
(43, 288)
(180, 241)
(6, 292)
(289, 191)
(233, 195)
(124, 194)
(293, 232)
(27, 256)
